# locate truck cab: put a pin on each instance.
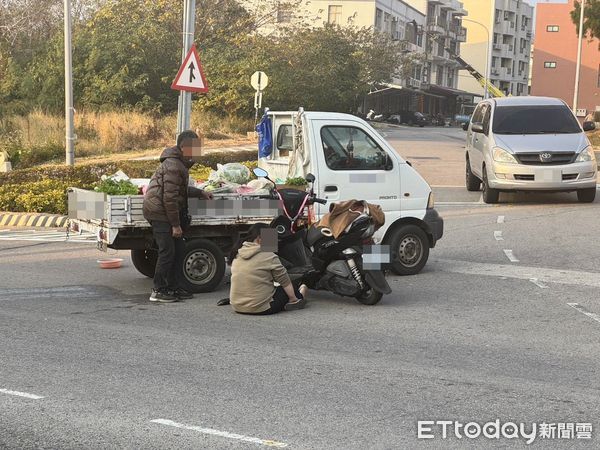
(351, 160)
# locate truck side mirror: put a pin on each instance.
(589, 126)
(310, 178)
(477, 128)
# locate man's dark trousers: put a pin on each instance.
(170, 257)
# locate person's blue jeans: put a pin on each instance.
(168, 272)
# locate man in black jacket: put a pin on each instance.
(165, 207)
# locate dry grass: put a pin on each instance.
(126, 133)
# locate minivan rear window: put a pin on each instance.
(534, 119)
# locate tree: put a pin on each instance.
(591, 21)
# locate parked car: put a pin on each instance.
(528, 144)
(409, 117)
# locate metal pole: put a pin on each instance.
(69, 126)
(486, 92)
(185, 98)
(578, 67)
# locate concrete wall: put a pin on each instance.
(561, 47)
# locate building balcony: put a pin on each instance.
(436, 25)
(413, 83)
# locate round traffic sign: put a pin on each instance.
(259, 80)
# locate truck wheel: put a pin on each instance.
(410, 250)
(586, 195)
(144, 261)
(371, 297)
(473, 183)
(489, 195)
(203, 266)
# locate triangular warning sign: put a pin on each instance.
(191, 76)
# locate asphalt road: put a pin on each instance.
(87, 362)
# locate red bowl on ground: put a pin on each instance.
(110, 263)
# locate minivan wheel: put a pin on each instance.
(489, 195)
(586, 195)
(473, 183)
(410, 250)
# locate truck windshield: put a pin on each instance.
(534, 119)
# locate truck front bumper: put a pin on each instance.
(435, 225)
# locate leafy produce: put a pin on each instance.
(112, 187)
(296, 181)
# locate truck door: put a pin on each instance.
(352, 164)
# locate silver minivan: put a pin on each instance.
(528, 144)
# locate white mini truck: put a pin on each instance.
(349, 159)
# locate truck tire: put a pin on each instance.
(409, 250)
(203, 266)
(586, 195)
(144, 261)
(473, 183)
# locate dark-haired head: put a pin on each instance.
(186, 137)
(252, 235)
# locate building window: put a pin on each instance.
(552, 28)
(335, 15)
(378, 18)
(550, 65)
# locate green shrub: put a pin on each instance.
(45, 196)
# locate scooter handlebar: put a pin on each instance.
(322, 201)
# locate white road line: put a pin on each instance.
(500, 219)
(224, 434)
(546, 275)
(509, 254)
(21, 394)
(582, 310)
(498, 235)
(538, 283)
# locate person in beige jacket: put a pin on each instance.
(253, 274)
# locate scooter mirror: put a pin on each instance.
(310, 178)
(260, 173)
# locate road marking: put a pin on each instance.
(224, 434)
(21, 394)
(498, 235)
(46, 236)
(447, 186)
(473, 204)
(582, 310)
(509, 254)
(546, 275)
(538, 283)
(500, 219)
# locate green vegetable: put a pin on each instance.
(297, 181)
(112, 187)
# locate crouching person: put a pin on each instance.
(166, 208)
(253, 274)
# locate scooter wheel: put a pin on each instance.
(370, 297)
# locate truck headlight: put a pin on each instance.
(502, 156)
(430, 201)
(586, 155)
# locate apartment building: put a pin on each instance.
(432, 86)
(555, 59)
(508, 24)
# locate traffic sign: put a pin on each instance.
(259, 80)
(191, 76)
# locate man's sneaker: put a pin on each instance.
(162, 296)
(182, 294)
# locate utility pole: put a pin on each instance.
(185, 98)
(69, 126)
(578, 67)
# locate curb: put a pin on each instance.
(22, 220)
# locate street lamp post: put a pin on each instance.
(487, 55)
(578, 67)
(69, 126)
